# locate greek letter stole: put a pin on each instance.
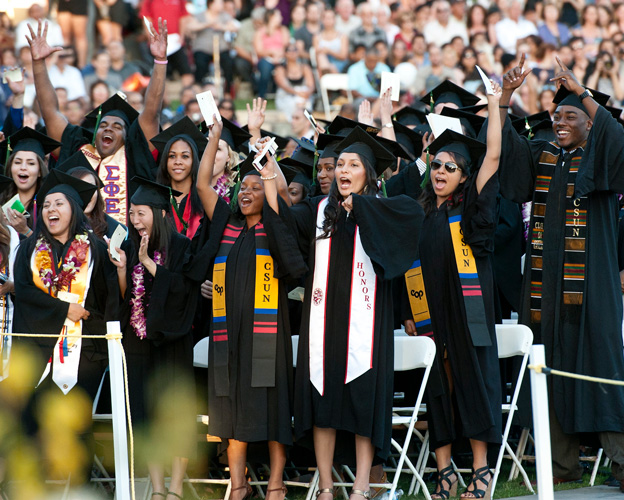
(361, 308)
(470, 284)
(113, 173)
(266, 297)
(575, 232)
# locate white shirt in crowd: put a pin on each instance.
(436, 33)
(508, 32)
(54, 38)
(70, 79)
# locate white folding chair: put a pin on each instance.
(333, 81)
(512, 340)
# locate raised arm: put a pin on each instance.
(269, 175)
(255, 118)
(54, 120)
(511, 81)
(149, 119)
(494, 139)
(206, 192)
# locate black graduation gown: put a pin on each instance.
(364, 405)
(589, 342)
(476, 376)
(164, 359)
(38, 312)
(249, 413)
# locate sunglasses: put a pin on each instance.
(449, 166)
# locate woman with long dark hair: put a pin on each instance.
(180, 148)
(456, 244)
(355, 243)
(251, 254)
(158, 308)
(64, 287)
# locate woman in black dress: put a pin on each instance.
(355, 244)
(456, 244)
(250, 253)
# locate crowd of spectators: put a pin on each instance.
(282, 47)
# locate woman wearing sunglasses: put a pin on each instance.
(456, 242)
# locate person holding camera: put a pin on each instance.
(606, 76)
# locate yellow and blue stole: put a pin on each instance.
(471, 288)
(266, 298)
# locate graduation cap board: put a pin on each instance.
(472, 123)
(527, 122)
(183, 129)
(452, 142)
(448, 92)
(27, 139)
(59, 182)
(343, 126)
(78, 162)
(294, 174)
(541, 130)
(115, 105)
(152, 194)
(564, 97)
(326, 144)
(303, 156)
(234, 135)
(360, 142)
(409, 116)
(408, 138)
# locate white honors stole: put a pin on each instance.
(65, 359)
(6, 311)
(361, 310)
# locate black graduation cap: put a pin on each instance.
(474, 109)
(303, 156)
(360, 142)
(115, 105)
(616, 113)
(184, 129)
(5, 182)
(28, 139)
(541, 130)
(447, 91)
(294, 174)
(343, 126)
(395, 148)
(152, 194)
(520, 124)
(472, 123)
(234, 135)
(410, 116)
(326, 144)
(452, 142)
(408, 138)
(279, 140)
(76, 161)
(247, 167)
(564, 97)
(59, 182)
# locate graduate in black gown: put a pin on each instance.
(159, 304)
(250, 254)
(571, 295)
(81, 267)
(456, 246)
(353, 240)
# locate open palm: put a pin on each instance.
(39, 47)
(158, 40)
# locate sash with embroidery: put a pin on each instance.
(361, 311)
(113, 173)
(471, 288)
(65, 358)
(266, 297)
(575, 233)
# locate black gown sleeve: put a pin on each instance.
(174, 296)
(301, 218)
(384, 224)
(406, 181)
(73, 138)
(518, 164)
(140, 159)
(602, 164)
(480, 216)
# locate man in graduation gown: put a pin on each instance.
(119, 146)
(571, 295)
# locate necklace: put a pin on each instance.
(75, 258)
(137, 309)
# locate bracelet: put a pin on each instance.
(156, 61)
(30, 231)
(502, 106)
(388, 125)
(269, 178)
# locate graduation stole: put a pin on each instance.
(113, 173)
(575, 233)
(73, 287)
(361, 308)
(192, 220)
(265, 311)
(471, 288)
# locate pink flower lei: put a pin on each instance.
(75, 258)
(137, 309)
(222, 187)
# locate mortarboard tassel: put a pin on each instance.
(234, 199)
(9, 149)
(383, 186)
(529, 128)
(176, 209)
(97, 124)
(426, 173)
(35, 210)
(431, 102)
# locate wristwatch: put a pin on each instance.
(388, 125)
(585, 94)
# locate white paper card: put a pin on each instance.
(14, 203)
(116, 240)
(390, 80)
(260, 161)
(14, 74)
(439, 123)
(486, 81)
(208, 106)
(148, 25)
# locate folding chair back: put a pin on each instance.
(333, 81)
(200, 353)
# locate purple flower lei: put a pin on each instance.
(137, 314)
(223, 186)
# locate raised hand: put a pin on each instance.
(17, 88)
(144, 258)
(385, 106)
(255, 118)
(158, 40)
(566, 78)
(214, 131)
(498, 92)
(365, 114)
(515, 76)
(39, 47)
